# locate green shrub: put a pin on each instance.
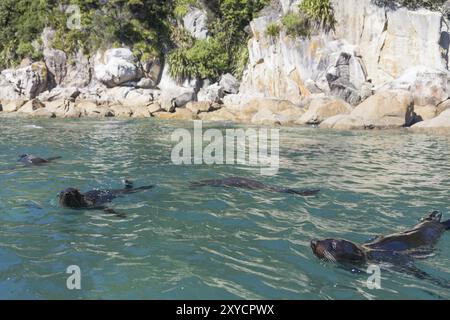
(273, 30)
(206, 59)
(319, 12)
(296, 25)
(182, 7)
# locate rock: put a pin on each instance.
(174, 98)
(72, 111)
(217, 116)
(26, 82)
(196, 22)
(391, 41)
(320, 110)
(442, 107)
(138, 97)
(116, 66)
(387, 109)
(31, 106)
(12, 106)
(42, 113)
(229, 84)
(267, 117)
(55, 61)
(152, 70)
(146, 83)
(428, 86)
(440, 124)
(425, 113)
(91, 109)
(141, 112)
(180, 114)
(59, 93)
(274, 106)
(154, 107)
(121, 111)
(213, 93)
(384, 110)
(344, 122)
(79, 71)
(58, 107)
(197, 107)
(339, 80)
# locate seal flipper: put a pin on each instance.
(446, 224)
(422, 275)
(303, 193)
(53, 158)
(112, 211)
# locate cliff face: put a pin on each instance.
(382, 45)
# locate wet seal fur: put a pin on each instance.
(96, 199)
(251, 185)
(397, 250)
(30, 160)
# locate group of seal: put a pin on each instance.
(398, 249)
(97, 199)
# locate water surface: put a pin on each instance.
(182, 243)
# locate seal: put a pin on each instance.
(30, 160)
(251, 185)
(96, 199)
(398, 250)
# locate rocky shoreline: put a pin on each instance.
(390, 69)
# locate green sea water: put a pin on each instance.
(211, 243)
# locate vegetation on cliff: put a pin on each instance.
(152, 28)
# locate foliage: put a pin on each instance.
(139, 24)
(319, 12)
(225, 50)
(182, 7)
(273, 30)
(296, 25)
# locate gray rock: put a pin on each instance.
(56, 64)
(116, 66)
(26, 82)
(196, 22)
(213, 93)
(229, 84)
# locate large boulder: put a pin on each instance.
(339, 79)
(213, 93)
(196, 22)
(229, 84)
(79, 71)
(31, 106)
(175, 98)
(440, 124)
(428, 86)
(56, 61)
(385, 110)
(26, 82)
(116, 66)
(321, 109)
(268, 110)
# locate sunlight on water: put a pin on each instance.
(208, 243)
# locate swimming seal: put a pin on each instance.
(251, 185)
(96, 199)
(29, 160)
(398, 250)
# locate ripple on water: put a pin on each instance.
(177, 242)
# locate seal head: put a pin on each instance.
(340, 251)
(71, 198)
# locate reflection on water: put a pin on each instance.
(178, 242)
